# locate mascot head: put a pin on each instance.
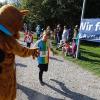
(11, 20)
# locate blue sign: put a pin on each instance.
(90, 29)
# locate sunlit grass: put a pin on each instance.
(90, 58)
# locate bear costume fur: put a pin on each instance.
(11, 21)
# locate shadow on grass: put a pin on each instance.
(91, 53)
(90, 43)
(20, 65)
(68, 93)
(90, 60)
(34, 95)
(82, 49)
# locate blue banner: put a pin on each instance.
(90, 29)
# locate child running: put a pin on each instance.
(44, 46)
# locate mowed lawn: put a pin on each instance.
(90, 57)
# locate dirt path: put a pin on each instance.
(64, 81)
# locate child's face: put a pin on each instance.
(45, 37)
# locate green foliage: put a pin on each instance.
(0, 4)
(61, 11)
(50, 12)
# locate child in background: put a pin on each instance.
(43, 59)
(28, 39)
(69, 50)
(66, 48)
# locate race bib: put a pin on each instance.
(43, 53)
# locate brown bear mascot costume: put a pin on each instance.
(11, 21)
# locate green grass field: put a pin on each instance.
(90, 58)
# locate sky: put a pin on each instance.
(2, 0)
(8, 1)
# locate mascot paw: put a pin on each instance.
(35, 53)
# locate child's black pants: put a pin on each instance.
(42, 67)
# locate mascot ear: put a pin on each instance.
(24, 12)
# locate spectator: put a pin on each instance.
(58, 34)
(75, 31)
(65, 35)
(38, 31)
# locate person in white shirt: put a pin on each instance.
(65, 34)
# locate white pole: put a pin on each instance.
(82, 15)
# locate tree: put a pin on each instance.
(62, 11)
(50, 12)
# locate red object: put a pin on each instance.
(28, 35)
(67, 45)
